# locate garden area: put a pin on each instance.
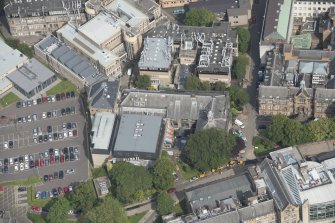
(8, 99)
(63, 86)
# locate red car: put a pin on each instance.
(41, 162)
(37, 163)
(66, 189)
(62, 96)
(52, 160)
(51, 177)
(62, 158)
(44, 100)
(60, 191)
(35, 208)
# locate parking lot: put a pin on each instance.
(43, 139)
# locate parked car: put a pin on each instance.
(37, 194)
(35, 208)
(43, 195)
(46, 178)
(10, 144)
(61, 174)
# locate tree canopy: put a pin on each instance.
(108, 211)
(143, 82)
(58, 212)
(164, 203)
(220, 86)
(199, 17)
(238, 97)
(209, 148)
(22, 47)
(83, 197)
(163, 173)
(240, 66)
(243, 39)
(130, 182)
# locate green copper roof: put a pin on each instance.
(284, 18)
(303, 41)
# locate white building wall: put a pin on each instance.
(304, 9)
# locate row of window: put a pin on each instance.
(309, 8)
(314, 3)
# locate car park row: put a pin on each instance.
(54, 192)
(43, 100)
(46, 158)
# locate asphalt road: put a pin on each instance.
(22, 135)
(249, 116)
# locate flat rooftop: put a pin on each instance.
(102, 129)
(9, 58)
(138, 133)
(156, 54)
(101, 28)
(31, 75)
(104, 57)
(128, 12)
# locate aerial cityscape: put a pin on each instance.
(167, 111)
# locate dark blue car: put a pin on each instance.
(44, 195)
(5, 169)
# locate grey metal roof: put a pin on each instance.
(275, 184)
(47, 42)
(210, 194)
(67, 56)
(156, 54)
(216, 6)
(326, 95)
(60, 51)
(30, 75)
(102, 128)
(138, 133)
(229, 217)
(73, 62)
(104, 94)
(183, 105)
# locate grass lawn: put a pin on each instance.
(36, 202)
(98, 172)
(137, 217)
(35, 218)
(63, 86)
(9, 99)
(29, 181)
(186, 171)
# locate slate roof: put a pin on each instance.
(324, 95)
(33, 6)
(281, 92)
(208, 195)
(275, 184)
(256, 210)
(104, 94)
(183, 105)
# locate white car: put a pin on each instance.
(53, 99)
(11, 162)
(44, 115)
(26, 158)
(37, 195)
(70, 133)
(26, 166)
(5, 145)
(70, 188)
(56, 152)
(16, 168)
(65, 135)
(34, 102)
(70, 171)
(21, 166)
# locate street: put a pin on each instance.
(249, 115)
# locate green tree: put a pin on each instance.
(199, 17)
(163, 177)
(240, 66)
(238, 97)
(83, 197)
(128, 180)
(243, 39)
(143, 82)
(220, 86)
(164, 203)
(193, 83)
(108, 211)
(286, 132)
(58, 212)
(22, 47)
(209, 148)
(206, 86)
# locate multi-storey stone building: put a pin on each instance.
(31, 17)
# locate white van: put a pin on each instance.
(239, 123)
